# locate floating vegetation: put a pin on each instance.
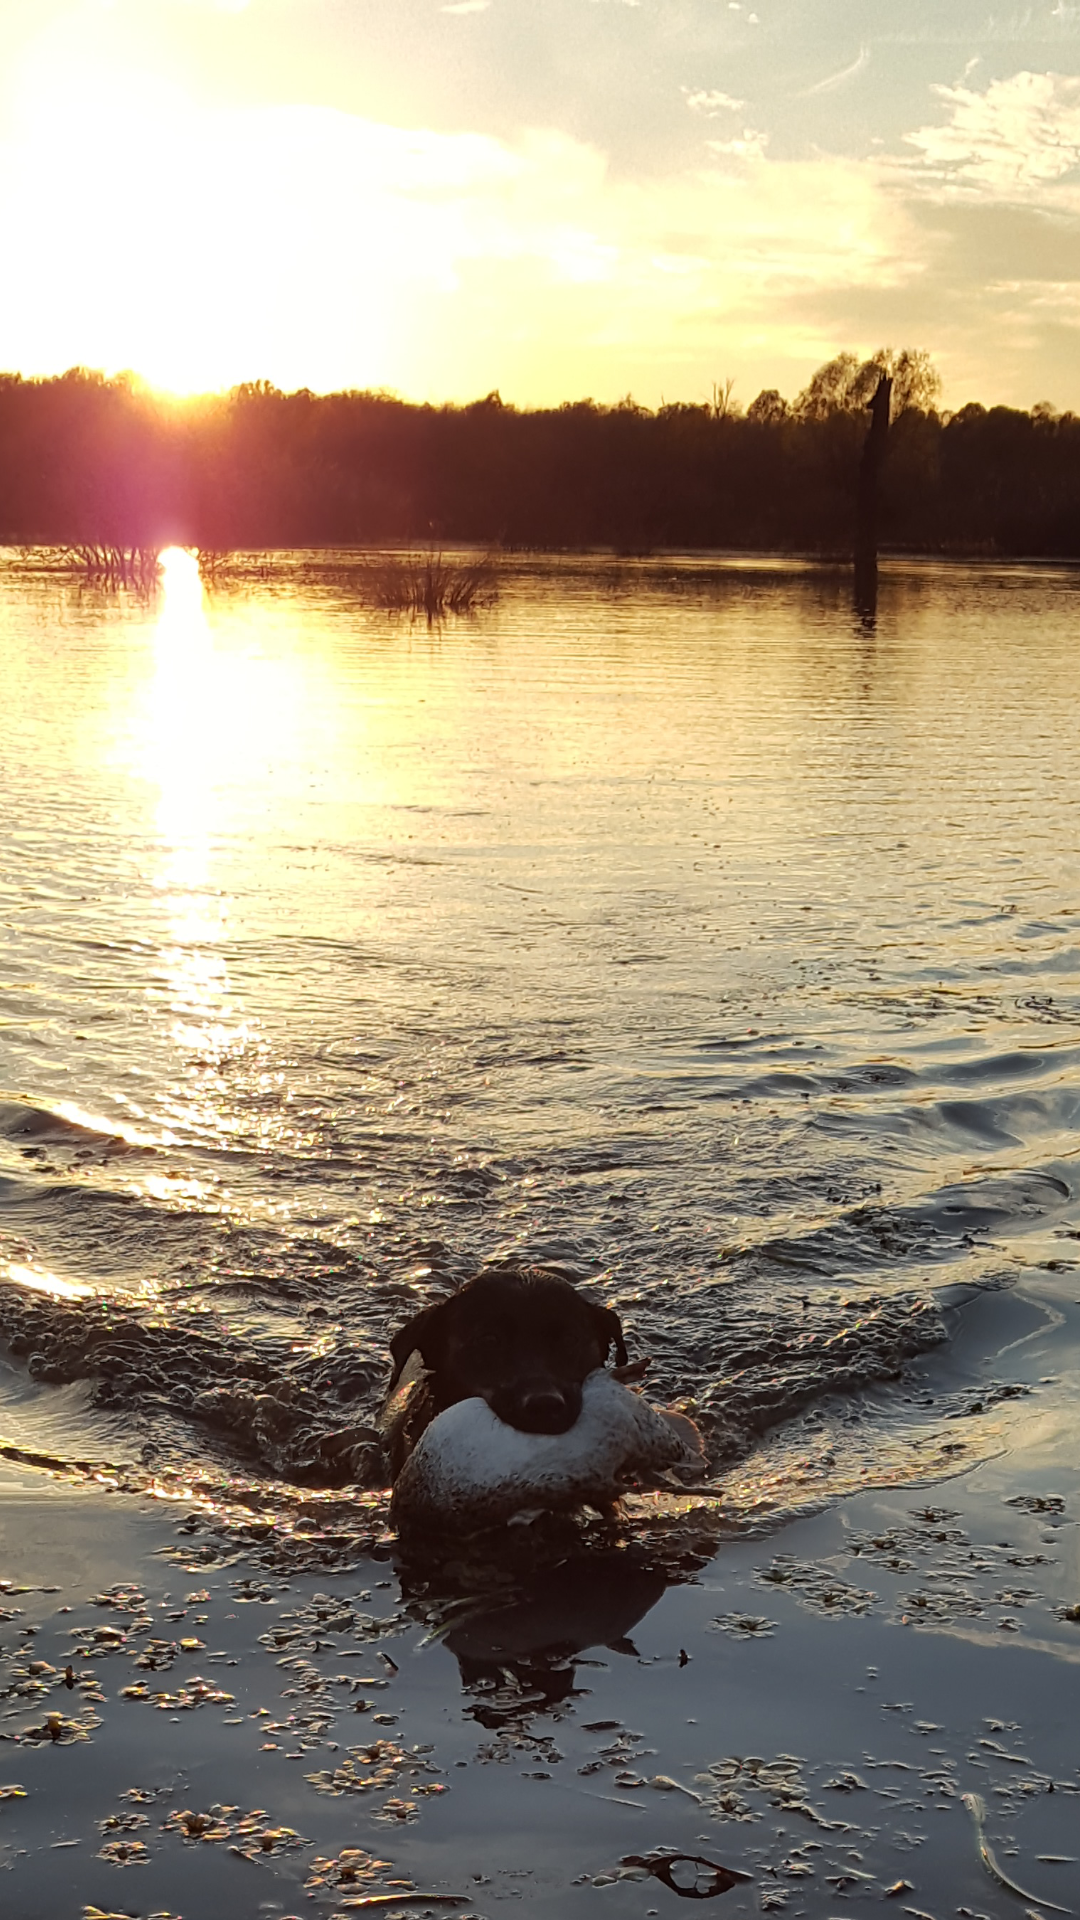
(374, 1768)
(430, 585)
(250, 1834)
(304, 1629)
(125, 1853)
(122, 1823)
(356, 1872)
(201, 1826)
(99, 1913)
(743, 1626)
(61, 1731)
(727, 1782)
(253, 1839)
(817, 1587)
(197, 1693)
(160, 1654)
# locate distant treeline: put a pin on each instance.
(88, 459)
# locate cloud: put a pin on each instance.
(1020, 135)
(710, 101)
(837, 80)
(749, 145)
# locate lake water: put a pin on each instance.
(662, 921)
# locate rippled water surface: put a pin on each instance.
(661, 921)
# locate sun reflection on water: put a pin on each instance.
(179, 739)
(40, 1280)
(183, 756)
(224, 740)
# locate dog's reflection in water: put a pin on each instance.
(519, 1658)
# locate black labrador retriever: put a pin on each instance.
(520, 1337)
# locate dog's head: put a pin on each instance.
(521, 1338)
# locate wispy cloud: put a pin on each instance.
(466, 6)
(834, 81)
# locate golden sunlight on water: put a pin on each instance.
(223, 734)
(39, 1280)
(182, 756)
(178, 740)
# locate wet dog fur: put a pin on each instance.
(520, 1337)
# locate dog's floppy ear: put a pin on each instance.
(422, 1334)
(609, 1331)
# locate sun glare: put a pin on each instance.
(181, 580)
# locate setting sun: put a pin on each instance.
(228, 231)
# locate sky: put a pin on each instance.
(552, 198)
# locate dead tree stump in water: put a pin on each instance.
(866, 512)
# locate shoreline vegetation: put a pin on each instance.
(106, 466)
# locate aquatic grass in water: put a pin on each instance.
(430, 585)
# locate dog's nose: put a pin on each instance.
(545, 1410)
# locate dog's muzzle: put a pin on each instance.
(539, 1409)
